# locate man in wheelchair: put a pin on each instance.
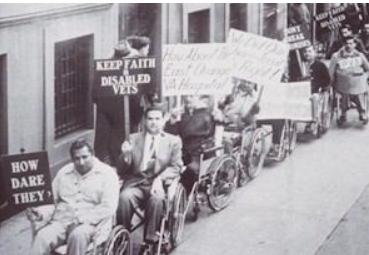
(196, 129)
(149, 162)
(86, 193)
(238, 113)
(348, 69)
(317, 72)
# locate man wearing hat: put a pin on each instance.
(150, 160)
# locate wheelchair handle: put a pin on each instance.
(214, 149)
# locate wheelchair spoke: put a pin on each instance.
(223, 182)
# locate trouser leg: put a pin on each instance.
(277, 131)
(48, 238)
(356, 100)
(129, 199)
(153, 215)
(190, 176)
(102, 134)
(315, 105)
(79, 239)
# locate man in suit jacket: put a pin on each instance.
(150, 160)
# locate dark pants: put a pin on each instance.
(353, 98)
(191, 175)
(132, 198)
(277, 126)
(110, 126)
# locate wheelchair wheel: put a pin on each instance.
(222, 183)
(326, 117)
(118, 242)
(242, 178)
(177, 216)
(284, 143)
(255, 157)
(292, 136)
(366, 106)
(338, 110)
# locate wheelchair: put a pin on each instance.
(217, 180)
(98, 240)
(171, 227)
(248, 149)
(113, 239)
(343, 101)
(288, 139)
(322, 114)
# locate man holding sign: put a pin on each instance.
(85, 192)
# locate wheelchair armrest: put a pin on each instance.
(211, 150)
(231, 128)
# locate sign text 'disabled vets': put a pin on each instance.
(27, 179)
(332, 19)
(256, 58)
(193, 69)
(127, 76)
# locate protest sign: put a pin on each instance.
(286, 101)
(128, 76)
(27, 179)
(194, 69)
(298, 37)
(256, 58)
(331, 20)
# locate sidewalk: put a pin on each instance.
(350, 237)
(15, 235)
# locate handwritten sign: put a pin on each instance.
(27, 179)
(118, 77)
(298, 37)
(331, 20)
(286, 101)
(194, 69)
(256, 58)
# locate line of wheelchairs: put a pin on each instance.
(223, 168)
(334, 105)
(221, 171)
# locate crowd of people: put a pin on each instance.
(167, 146)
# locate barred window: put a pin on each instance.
(73, 71)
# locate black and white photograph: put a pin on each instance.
(184, 128)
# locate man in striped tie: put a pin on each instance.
(149, 161)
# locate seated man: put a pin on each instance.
(318, 74)
(239, 113)
(85, 192)
(149, 162)
(196, 129)
(348, 69)
(243, 106)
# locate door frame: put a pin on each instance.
(4, 136)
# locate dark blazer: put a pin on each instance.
(168, 161)
(319, 76)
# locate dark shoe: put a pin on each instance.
(343, 118)
(308, 129)
(363, 118)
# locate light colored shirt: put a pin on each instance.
(150, 148)
(89, 198)
(239, 108)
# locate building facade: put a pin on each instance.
(46, 73)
